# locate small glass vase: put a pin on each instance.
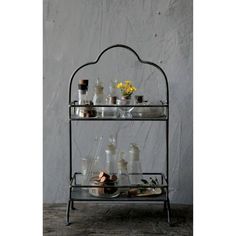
(125, 112)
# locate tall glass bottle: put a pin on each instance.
(122, 173)
(82, 92)
(93, 159)
(135, 168)
(98, 98)
(82, 96)
(111, 99)
(110, 151)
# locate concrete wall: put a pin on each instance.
(75, 31)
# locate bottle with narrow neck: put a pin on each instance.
(122, 173)
(111, 99)
(110, 151)
(98, 98)
(135, 168)
(112, 92)
(94, 160)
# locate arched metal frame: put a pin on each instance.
(166, 203)
(139, 59)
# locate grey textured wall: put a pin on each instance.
(75, 31)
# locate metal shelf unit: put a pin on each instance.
(76, 191)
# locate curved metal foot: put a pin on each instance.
(68, 213)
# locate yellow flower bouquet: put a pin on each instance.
(126, 88)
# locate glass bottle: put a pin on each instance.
(82, 98)
(111, 99)
(135, 169)
(94, 165)
(98, 98)
(75, 109)
(82, 92)
(122, 174)
(162, 109)
(137, 111)
(110, 151)
(141, 111)
(112, 140)
(112, 91)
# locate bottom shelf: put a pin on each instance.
(79, 192)
(83, 195)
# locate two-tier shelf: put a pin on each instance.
(77, 191)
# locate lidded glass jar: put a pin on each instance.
(135, 169)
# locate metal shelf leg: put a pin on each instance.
(168, 211)
(72, 206)
(164, 207)
(68, 213)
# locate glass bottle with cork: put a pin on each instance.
(82, 96)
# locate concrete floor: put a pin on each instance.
(119, 219)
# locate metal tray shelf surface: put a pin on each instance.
(80, 192)
(139, 112)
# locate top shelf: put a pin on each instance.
(142, 112)
(147, 106)
(162, 118)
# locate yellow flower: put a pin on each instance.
(128, 82)
(119, 85)
(126, 88)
